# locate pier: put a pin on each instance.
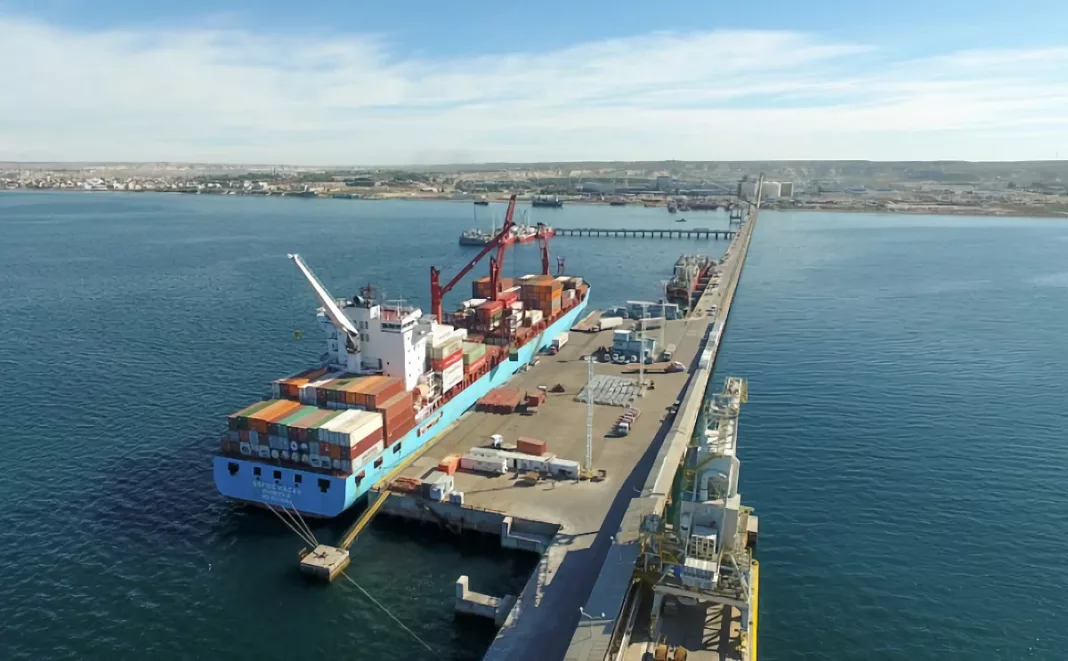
(589, 526)
(586, 531)
(658, 233)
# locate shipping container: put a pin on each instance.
(449, 464)
(440, 365)
(529, 445)
(350, 427)
(396, 405)
(264, 418)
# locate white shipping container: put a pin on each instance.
(483, 464)
(352, 426)
(564, 467)
(233, 435)
(276, 390)
(264, 452)
(369, 455)
(316, 462)
(456, 497)
(346, 466)
(448, 383)
(458, 366)
(246, 448)
(254, 437)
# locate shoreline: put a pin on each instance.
(916, 211)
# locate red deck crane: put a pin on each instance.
(501, 241)
(543, 242)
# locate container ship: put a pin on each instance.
(691, 276)
(390, 382)
(520, 234)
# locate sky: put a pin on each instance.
(391, 83)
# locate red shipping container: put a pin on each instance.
(529, 445)
(362, 446)
(396, 405)
(442, 364)
(396, 429)
(508, 297)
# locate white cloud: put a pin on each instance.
(219, 95)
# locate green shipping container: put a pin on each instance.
(283, 425)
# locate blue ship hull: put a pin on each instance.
(316, 494)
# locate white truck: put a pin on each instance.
(607, 323)
(558, 343)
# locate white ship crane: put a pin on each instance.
(330, 306)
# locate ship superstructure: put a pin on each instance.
(689, 279)
(391, 379)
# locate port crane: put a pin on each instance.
(500, 243)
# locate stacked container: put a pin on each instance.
(398, 416)
(352, 439)
(474, 357)
(289, 387)
(542, 292)
(490, 314)
(481, 288)
(344, 391)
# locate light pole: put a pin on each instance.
(589, 415)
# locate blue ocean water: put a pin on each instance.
(132, 324)
(903, 443)
(905, 438)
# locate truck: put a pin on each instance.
(607, 323)
(558, 343)
(668, 352)
(623, 424)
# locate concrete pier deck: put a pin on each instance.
(586, 531)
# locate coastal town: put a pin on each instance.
(960, 188)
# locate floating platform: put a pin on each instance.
(324, 562)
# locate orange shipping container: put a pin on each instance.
(259, 421)
(449, 464)
(530, 446)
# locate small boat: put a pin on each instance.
(680, 220)
(481, 203)
(549, 201)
